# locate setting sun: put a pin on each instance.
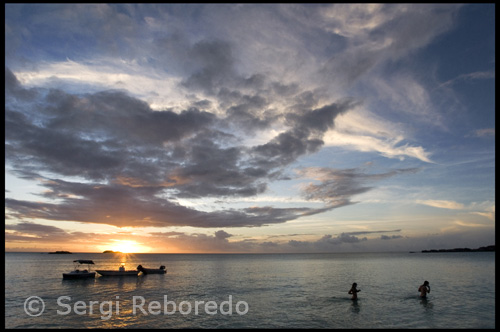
(128, 246)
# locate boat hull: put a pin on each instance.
(153, 271)
(114, 273)
(78, 275)
(145, 270)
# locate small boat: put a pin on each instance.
(118, 273)
(145, 270)
(80, 274)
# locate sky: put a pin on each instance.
(249, 128)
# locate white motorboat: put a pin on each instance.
(118, 273)
(79, 273)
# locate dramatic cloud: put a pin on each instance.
(133, 161)
(191, 118)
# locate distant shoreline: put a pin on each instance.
(480, 249)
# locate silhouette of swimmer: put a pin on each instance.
(424, 289)
(354, 291)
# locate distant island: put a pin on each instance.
(111, 252)
(61, 252)
(487, 248)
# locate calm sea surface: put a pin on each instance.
(254, 291)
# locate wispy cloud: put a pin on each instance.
(380, 32)
(160, 91)
(442, 204)
(379, 143)
(484, 209)
(470, 77)
(337, 187)
(486, 132)
(362, 130)
(469, 224)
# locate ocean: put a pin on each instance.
(254, 291)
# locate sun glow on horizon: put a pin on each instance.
(128, 247)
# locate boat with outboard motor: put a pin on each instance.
(145, 270)
(77, 273)
(118, 273)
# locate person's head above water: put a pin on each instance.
(426, 283)
(354, 284)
